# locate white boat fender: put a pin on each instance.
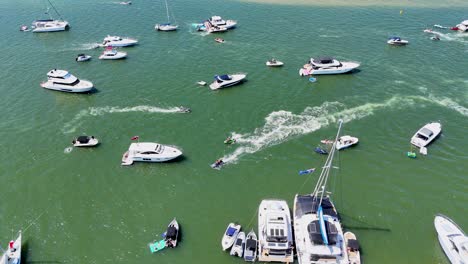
(423, 150)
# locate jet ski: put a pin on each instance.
(229, 141)
(217, 164)
(183, 109)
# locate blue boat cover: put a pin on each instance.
(395, 38)
(231, 231)
(224, 77)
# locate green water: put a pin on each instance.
(90, 209)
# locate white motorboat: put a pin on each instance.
(13, 253)
(275, 240)
(317, 228)
(172, 234)
(61, 80)
(222, 81)
(149, 152)
(217, 21)
(397, 41)
(85, 141)
(126, 3)
(112, 54)
(452, 239)
(238, 247)
(208, 27)
(346, 142)
(251, 246)
(49, 25)
(274, 63)
(352, 246)
(116, 41)
(426, 134)
(230, 235)
(327, 65)
(83, 57)
(463, 26)
(167, 26)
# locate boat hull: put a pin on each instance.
(344, 68)
(82, 87)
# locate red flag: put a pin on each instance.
(135, 138)
(109, 48)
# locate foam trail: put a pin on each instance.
(71, 126)
(280, 126)
(85, 46)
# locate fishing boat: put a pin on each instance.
(452, 239)
(172, 234)
(166, 26)
(63, 81)
(397, 41)
(230, 235)
(426, 134)
(327, 65)
(149, 152)
(274, 63)
(250, 247)
(275, 239)
(50, 24)
(85, 141)
(352, 246)
(226, 80)
(317, 228)
(12, 254)
(238, 247)
(346, 142)
(83, 57)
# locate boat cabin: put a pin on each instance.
(222, 78)
(425, 134)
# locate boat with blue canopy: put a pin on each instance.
(226, 80)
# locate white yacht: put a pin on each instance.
(222, 81)
(61, 80)
(452, 239)
(149, 152)
(426, 134)
(463, 26)
(317, 228)
(49, 25)
(85, 141)
(275, 240)
(116, 41)
(327, 65)
(346, 142)
(12, 254)
(112, 54)
(397, 41)
(217, 21)
(166, 26)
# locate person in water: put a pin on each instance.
(219, 162)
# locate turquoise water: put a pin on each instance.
(83, 206)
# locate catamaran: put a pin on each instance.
(167, 26)
(318, 231)
(50, 25)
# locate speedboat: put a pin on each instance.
(462, 27)
(166, 27)
(346, 142)
(116, 41)
(230, 235)
(61, 80)
(49, 25)
(426, 134)
(149, 152)
(327, 65)
(112, 54)
(13, 253)
(352, 246)
(83, 57)
(250, 248)
(274, 63)
(452, 239)
(222, 81)
(85, 141)
(219, 40)
(172, 234)
(275, 240)
(217, 21)
(397, 41)
(238, 247)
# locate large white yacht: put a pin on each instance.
(275, 239)
(317, 228)
(226, 80)
(116, 41)
(217, 21)
(149, 152)
(327, 65)
(463, 26)
(49, 25)
(61, 80)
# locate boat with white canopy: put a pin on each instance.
(50, 24)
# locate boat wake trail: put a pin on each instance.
(72, 125)
(84, 46)
(457, 37)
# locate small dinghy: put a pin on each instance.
(202, 83)
(229, 141)
(13, 253)
(426, 134)
(274, 63)
(230, 236)
(172, 234)
(326, 141)
(238, 247)
(217, 164)
(352, 247)
(85, 141)
(452, 239)
(219, 40)
(250, 249)
(346, 142)
(83, 57)
(397, 41)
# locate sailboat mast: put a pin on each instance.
(167, 12)
(60, 16)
